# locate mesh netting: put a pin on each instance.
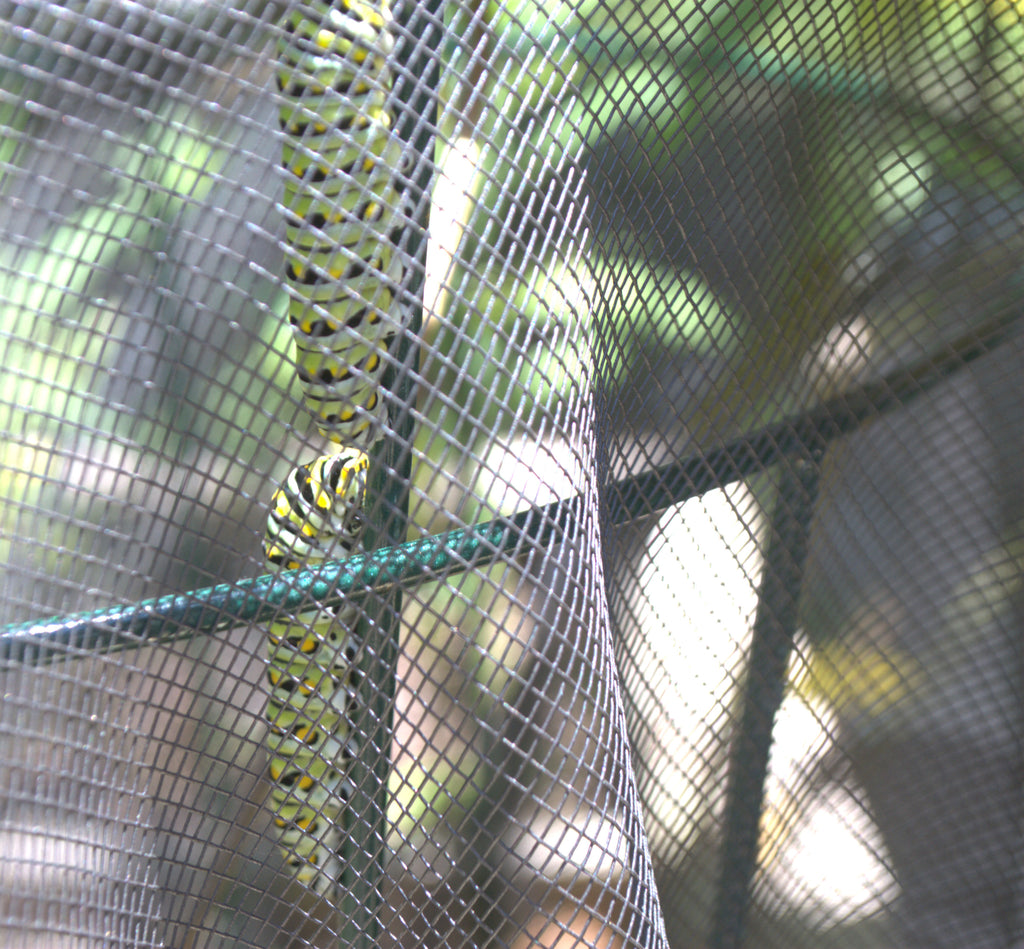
(706, 454)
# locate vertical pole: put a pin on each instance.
(771, 646)
(416, 72)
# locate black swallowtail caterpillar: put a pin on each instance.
(314, 679)
(343, 210)
(344, 220)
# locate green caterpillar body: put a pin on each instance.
(344, 221)
(314, 681)
(343, 210)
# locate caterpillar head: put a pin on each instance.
(317, 513)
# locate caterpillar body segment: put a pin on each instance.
(344, 210)
(314, 705)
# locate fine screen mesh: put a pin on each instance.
(709, 437)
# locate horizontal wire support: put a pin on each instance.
(258, 599)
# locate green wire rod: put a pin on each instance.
(258, 599)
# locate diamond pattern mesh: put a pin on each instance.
(727, 295)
